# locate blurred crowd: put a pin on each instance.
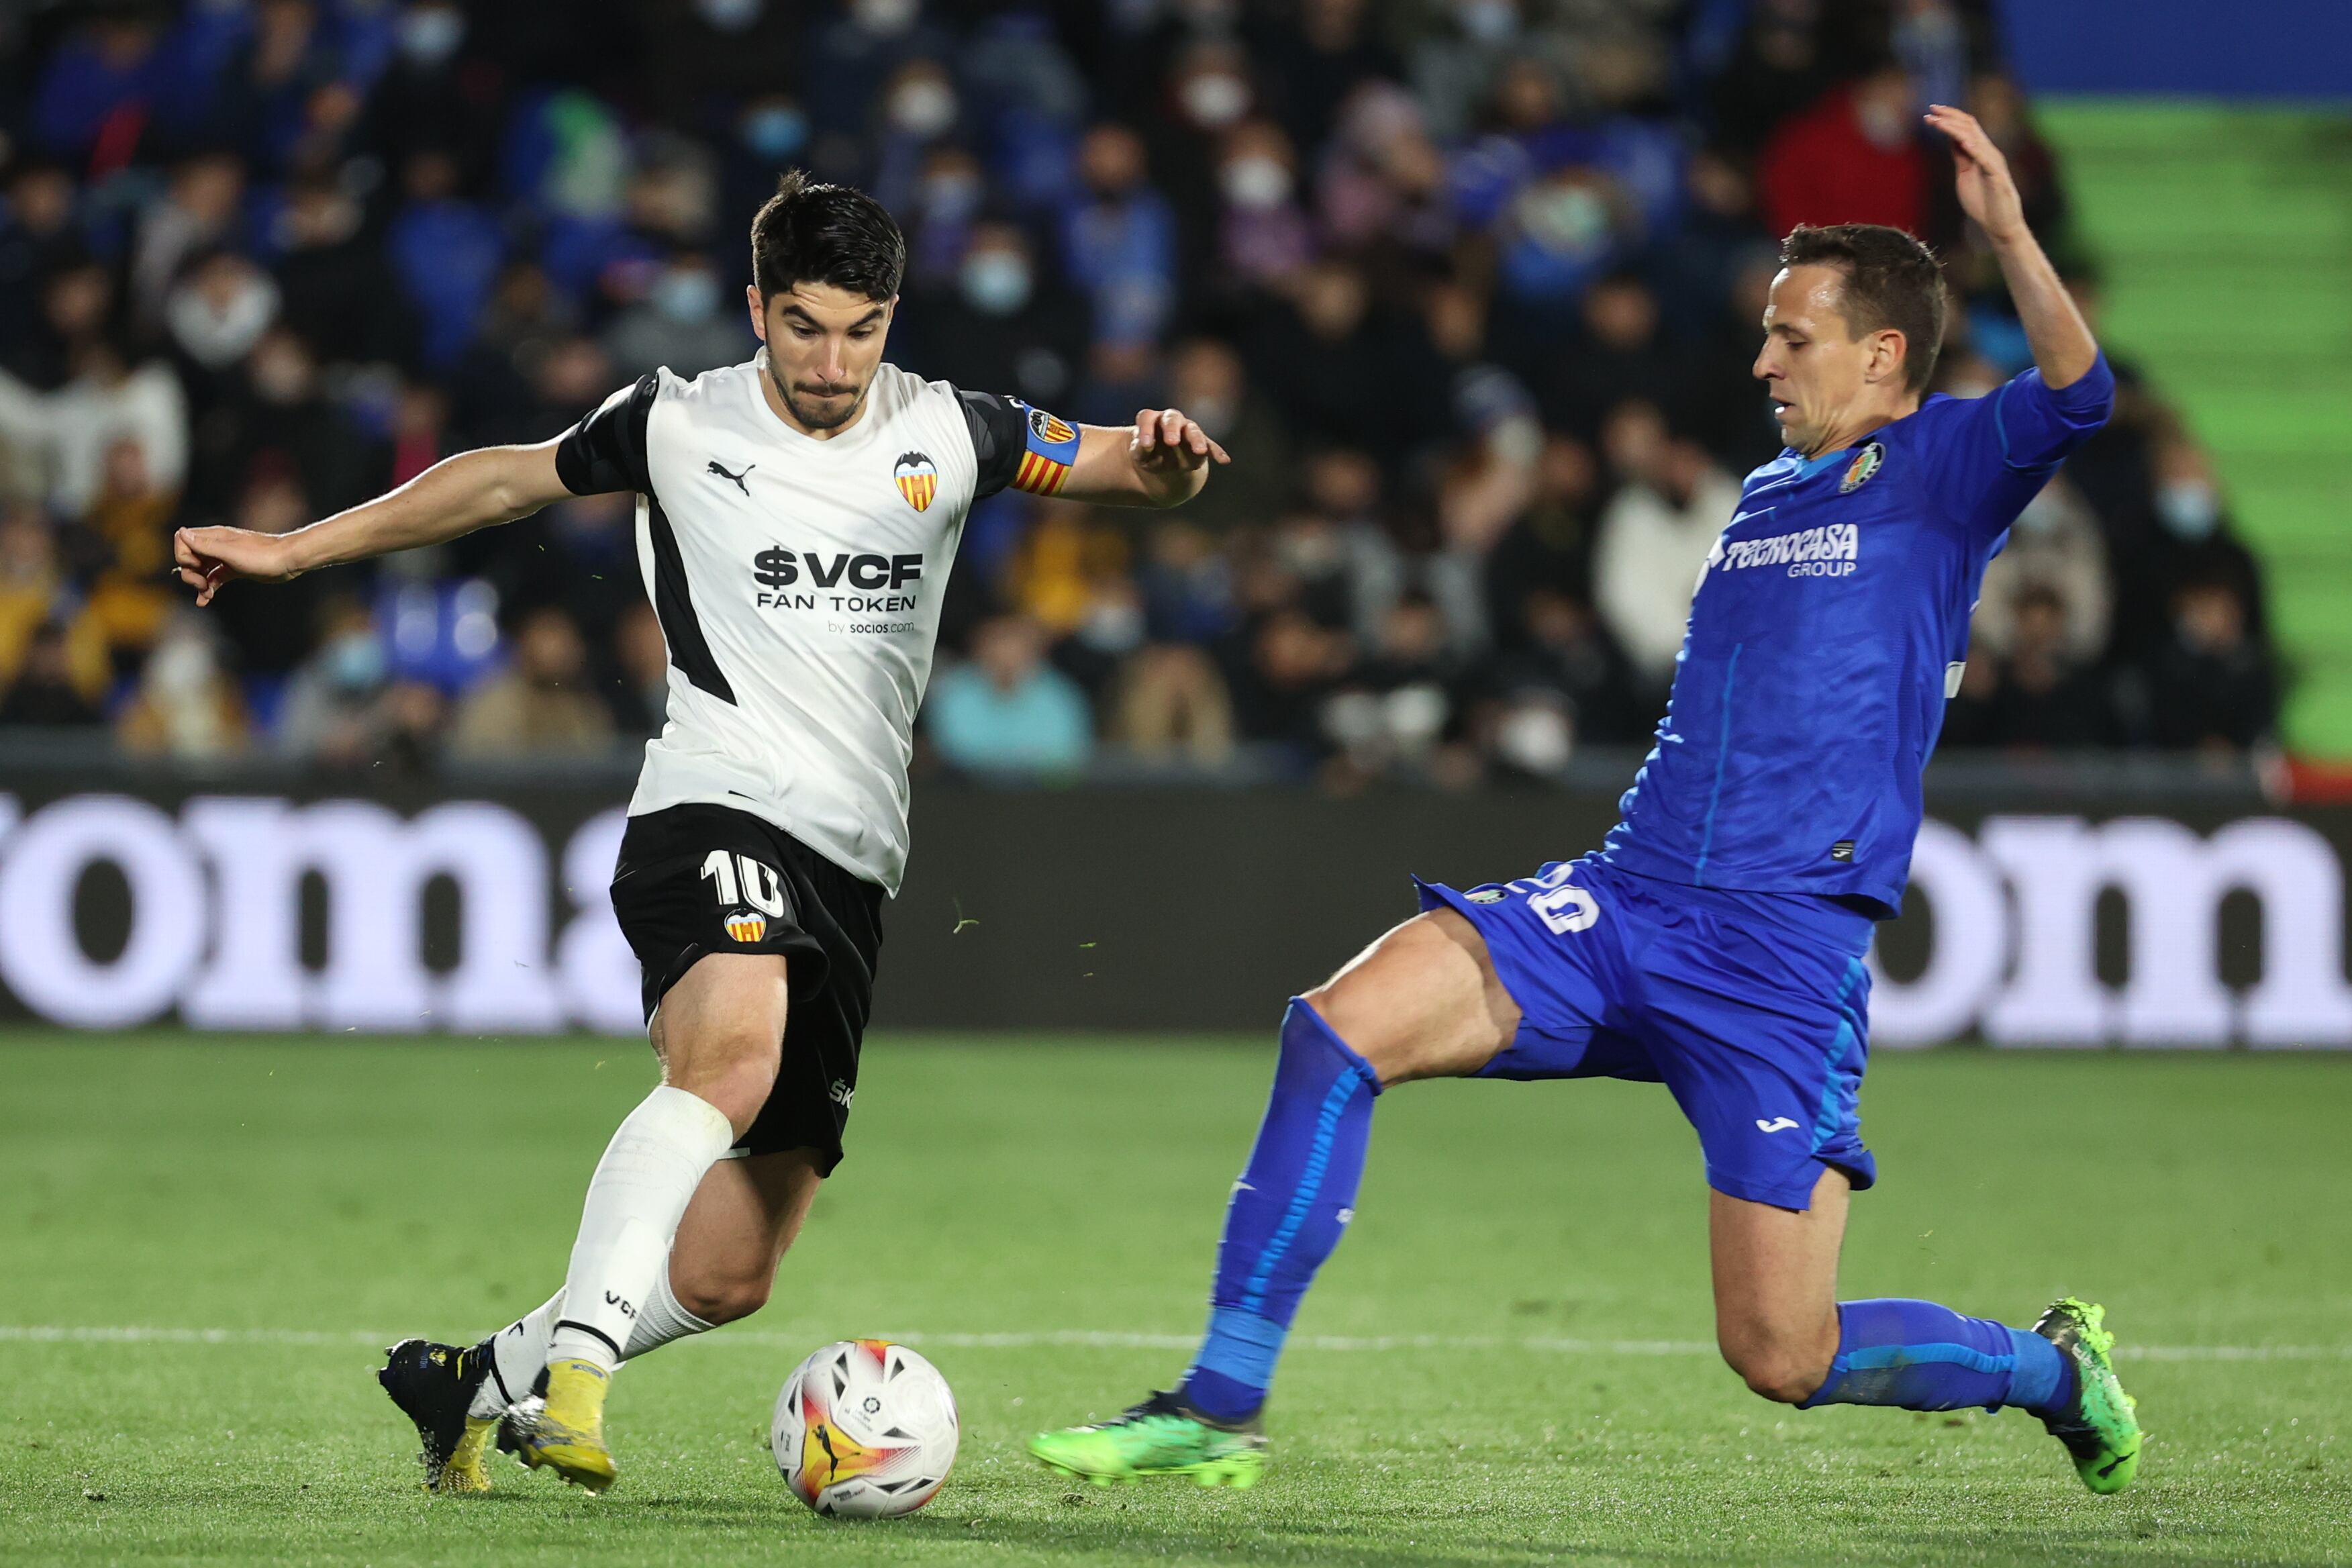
(1469, 287)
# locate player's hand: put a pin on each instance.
(208, 558)
(1988, 193)
(1166, 442)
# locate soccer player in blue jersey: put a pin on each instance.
(1715, 943)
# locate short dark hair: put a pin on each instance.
(809, 233)
(1892, 280)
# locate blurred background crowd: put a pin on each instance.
(1469, 287)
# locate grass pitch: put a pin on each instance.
(1507, 1362)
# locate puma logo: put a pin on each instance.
(735, 479)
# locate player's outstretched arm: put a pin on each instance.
(2062, 346)
(1163, 460)
(454, 497)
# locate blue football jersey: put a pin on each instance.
(1828, 629)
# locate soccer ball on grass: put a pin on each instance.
(865, 1429)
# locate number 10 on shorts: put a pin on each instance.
(739, 880)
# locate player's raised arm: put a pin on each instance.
(454, 497)
(1162, 460)
(2062, 346)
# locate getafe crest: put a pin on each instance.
(1866, 462)
(919, 479)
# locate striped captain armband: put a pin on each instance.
(1051, 447)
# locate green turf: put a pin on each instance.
(348, 1189)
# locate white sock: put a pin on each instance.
(661, 1319)
(518, 1355)
(635, 1199)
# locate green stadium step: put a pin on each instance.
(2225, 232)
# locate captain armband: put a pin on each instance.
(1050, 447)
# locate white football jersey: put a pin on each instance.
(799, 585)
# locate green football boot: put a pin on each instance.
(2099, 1427)
(1160, 1436)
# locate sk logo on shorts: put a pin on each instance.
(747, 925)
(1866, 462)
(919, 479)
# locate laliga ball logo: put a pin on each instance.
(865, 1429)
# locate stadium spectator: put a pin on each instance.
(640, 691)
(186, 706)
(1005, 711)
(2039, 696)
(1170, 704)
(1854, 157)
(2211, 687)
(541, 704)
(335, 713)
(2055, 546)
(1653, 539)
(44, 692)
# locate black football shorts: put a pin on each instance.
(697, 879)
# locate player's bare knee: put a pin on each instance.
(1412, 1004)
(1777, 1370)
(724, 1298)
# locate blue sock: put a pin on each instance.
(1921, 1356)
(1286, 1213)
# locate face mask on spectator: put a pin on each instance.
(685, 295)
(776, 133)
(884, 19)
(923, 108)
(2040, 517)
(181, 669)
(730, 15)
(354, 662)
(995, 282)
(1215, 99)
(1489, 21)
(1112, 625)
(431, 34)
(2189, 509)
(1255, 181)
(1568, 218)
(218, 332)
(1535, 738)
(1215, 415)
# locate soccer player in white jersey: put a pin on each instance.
(797, 516)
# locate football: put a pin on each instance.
(865, 1429)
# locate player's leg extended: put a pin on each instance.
(721, 1266)
(1423, 1002)
(1781, 1328)
(721, 1029)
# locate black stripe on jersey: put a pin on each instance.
(1000, 434)
(606, 451)
(675, 607)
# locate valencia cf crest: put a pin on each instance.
(746, 926)
(919, 479)
(1050, 429)
(1866, 462)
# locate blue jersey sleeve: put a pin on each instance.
(1992, 454)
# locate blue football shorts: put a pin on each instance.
(1752, 1008)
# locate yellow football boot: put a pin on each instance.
(568, 1436)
